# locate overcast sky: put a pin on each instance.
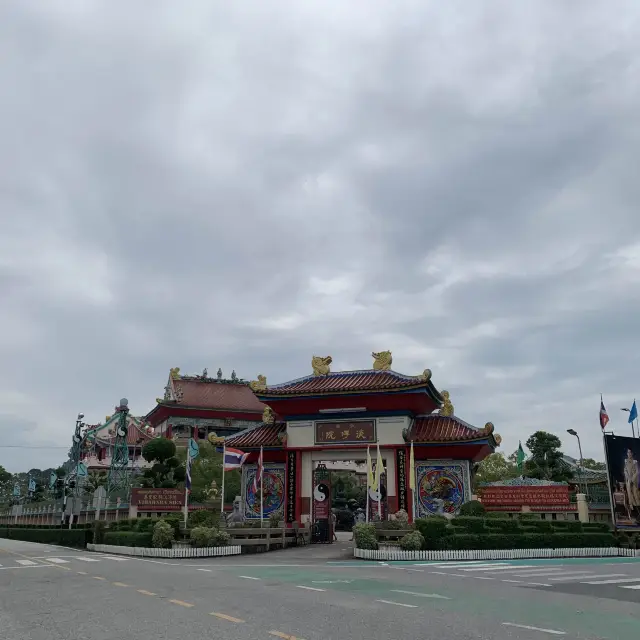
(245, 184)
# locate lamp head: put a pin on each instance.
(573, 432)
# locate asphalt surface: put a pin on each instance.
(311, 593)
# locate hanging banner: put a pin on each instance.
(401, 479)
(623, 463)
(292, 472)
(321, 508)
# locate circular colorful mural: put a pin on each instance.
(441, 491)
(273, 493)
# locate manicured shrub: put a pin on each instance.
(200, 536)
(574, 526)
(365, 536)
(433, 529)
(203, 518)
(543, 526)
(596, 527)
(220, 538)
(128, 538)
(145, 525)
(163, 535)
(469, 524)
(502, 525)
(472, 508)
(412, 541)
(66, 537)
(175, 522)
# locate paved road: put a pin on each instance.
(313, 593)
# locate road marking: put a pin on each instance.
(482, 578)
(120, 584)
(421, 595)
(468, 563)
(99, 578)
(301, 586)
(206, 570)
(279, 634)
(248, 577)
(26, 563)
(58, 561)
(539, 572)
(631, 586)
(525, 626)
(587, 577)
(182, 604)
(511, 568)
(82, 573)
(611, 581)
(539, 584)
(399, 604)
(85, 559)
(514, 581)
(418, 570)
(144, 592)
(224, 616)
(116, 559)
(35, 566)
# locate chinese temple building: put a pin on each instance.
(330, 416)
(199, 405)
(100, 441)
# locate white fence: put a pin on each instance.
(179, 552)
(497, 554)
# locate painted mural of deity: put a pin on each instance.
(441, 489)
(273, 481)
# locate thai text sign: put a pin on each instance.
(521, 496)
(157, 499)
(358, 431)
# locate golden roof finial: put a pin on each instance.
(268, 417)
(321, 365)
(175, 373)
(447, 407)
(260, 384)
(382, 361)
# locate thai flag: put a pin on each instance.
(234, 459)
(257, 479)
(604, 416)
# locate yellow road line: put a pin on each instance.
(99, 578)
(181, 603)
(285, 636)
(224, 616)
(146, 593)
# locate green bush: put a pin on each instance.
(128, 538)
(497, 515)
(502, 525)
(543, 526)
(596, 527)
(145, 525)
(220, 538)
(433, 529)
(66, 537)
(201, 536)
(574, 526)
(472, 508)
(412, 541)
(203, 518)
(163, 535)
(469, 524)
(175, 522)
(365, 536)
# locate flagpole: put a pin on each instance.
(368, 481)
(224, 457)
(379, 474)
(186, 490)
(611, 499)
(261, 488)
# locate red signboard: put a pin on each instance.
(157, 499)
(525, 496)
(358, 431)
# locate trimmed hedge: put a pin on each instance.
(128, 538)
(66, 537)
(527, 541)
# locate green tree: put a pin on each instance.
(545, 462)
(496, 467)
(166, 471)
(5, 476)
(590, 463)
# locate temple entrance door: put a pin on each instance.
(322, 528)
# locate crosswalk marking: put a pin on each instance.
(116, 559)
(631, 586)
(539, 572)
(85, 559)
(495, 568)
(582, 577)
(26, 563)
(611, 581)
(58, 561)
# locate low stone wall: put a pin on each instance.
(498, 554)
(179, 552)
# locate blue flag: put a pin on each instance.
(633, 414)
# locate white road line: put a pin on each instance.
(85, 559)
(482, 578)
(611, 581)
(206, 570)
(301, 586)
(421, 595)
(248, 577)
(116, 559)
(514, 581)
(58, 561)
(31, 566)
(417, 570)
(468, 563)
(526, 626)
(539, 572)
(399, 604)
(483, 567)
(631, 586)
(577, 578)
(539, 584)
(490, 569)
(26, 563)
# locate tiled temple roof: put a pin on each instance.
(582, 474)
(437, 428)
(264, 435)
(369, 380)
(216, 395)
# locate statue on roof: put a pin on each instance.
(219, 374)
(205, 373)
(321, 365)
(260, 384)
(107, 418)
(447, 407)
(268, 417)
(382, 361)
(426, 375)
(234, 377)
(175, 373)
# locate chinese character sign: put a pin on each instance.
(358, 431)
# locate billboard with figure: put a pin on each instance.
(623, 461)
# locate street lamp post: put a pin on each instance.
(573, 432)
(633, 432)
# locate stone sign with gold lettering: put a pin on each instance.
(346, 432)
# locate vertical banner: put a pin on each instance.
(401, 479)
(292, 470)
(622, 455)
(321, 508)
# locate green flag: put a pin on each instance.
(520, 456)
